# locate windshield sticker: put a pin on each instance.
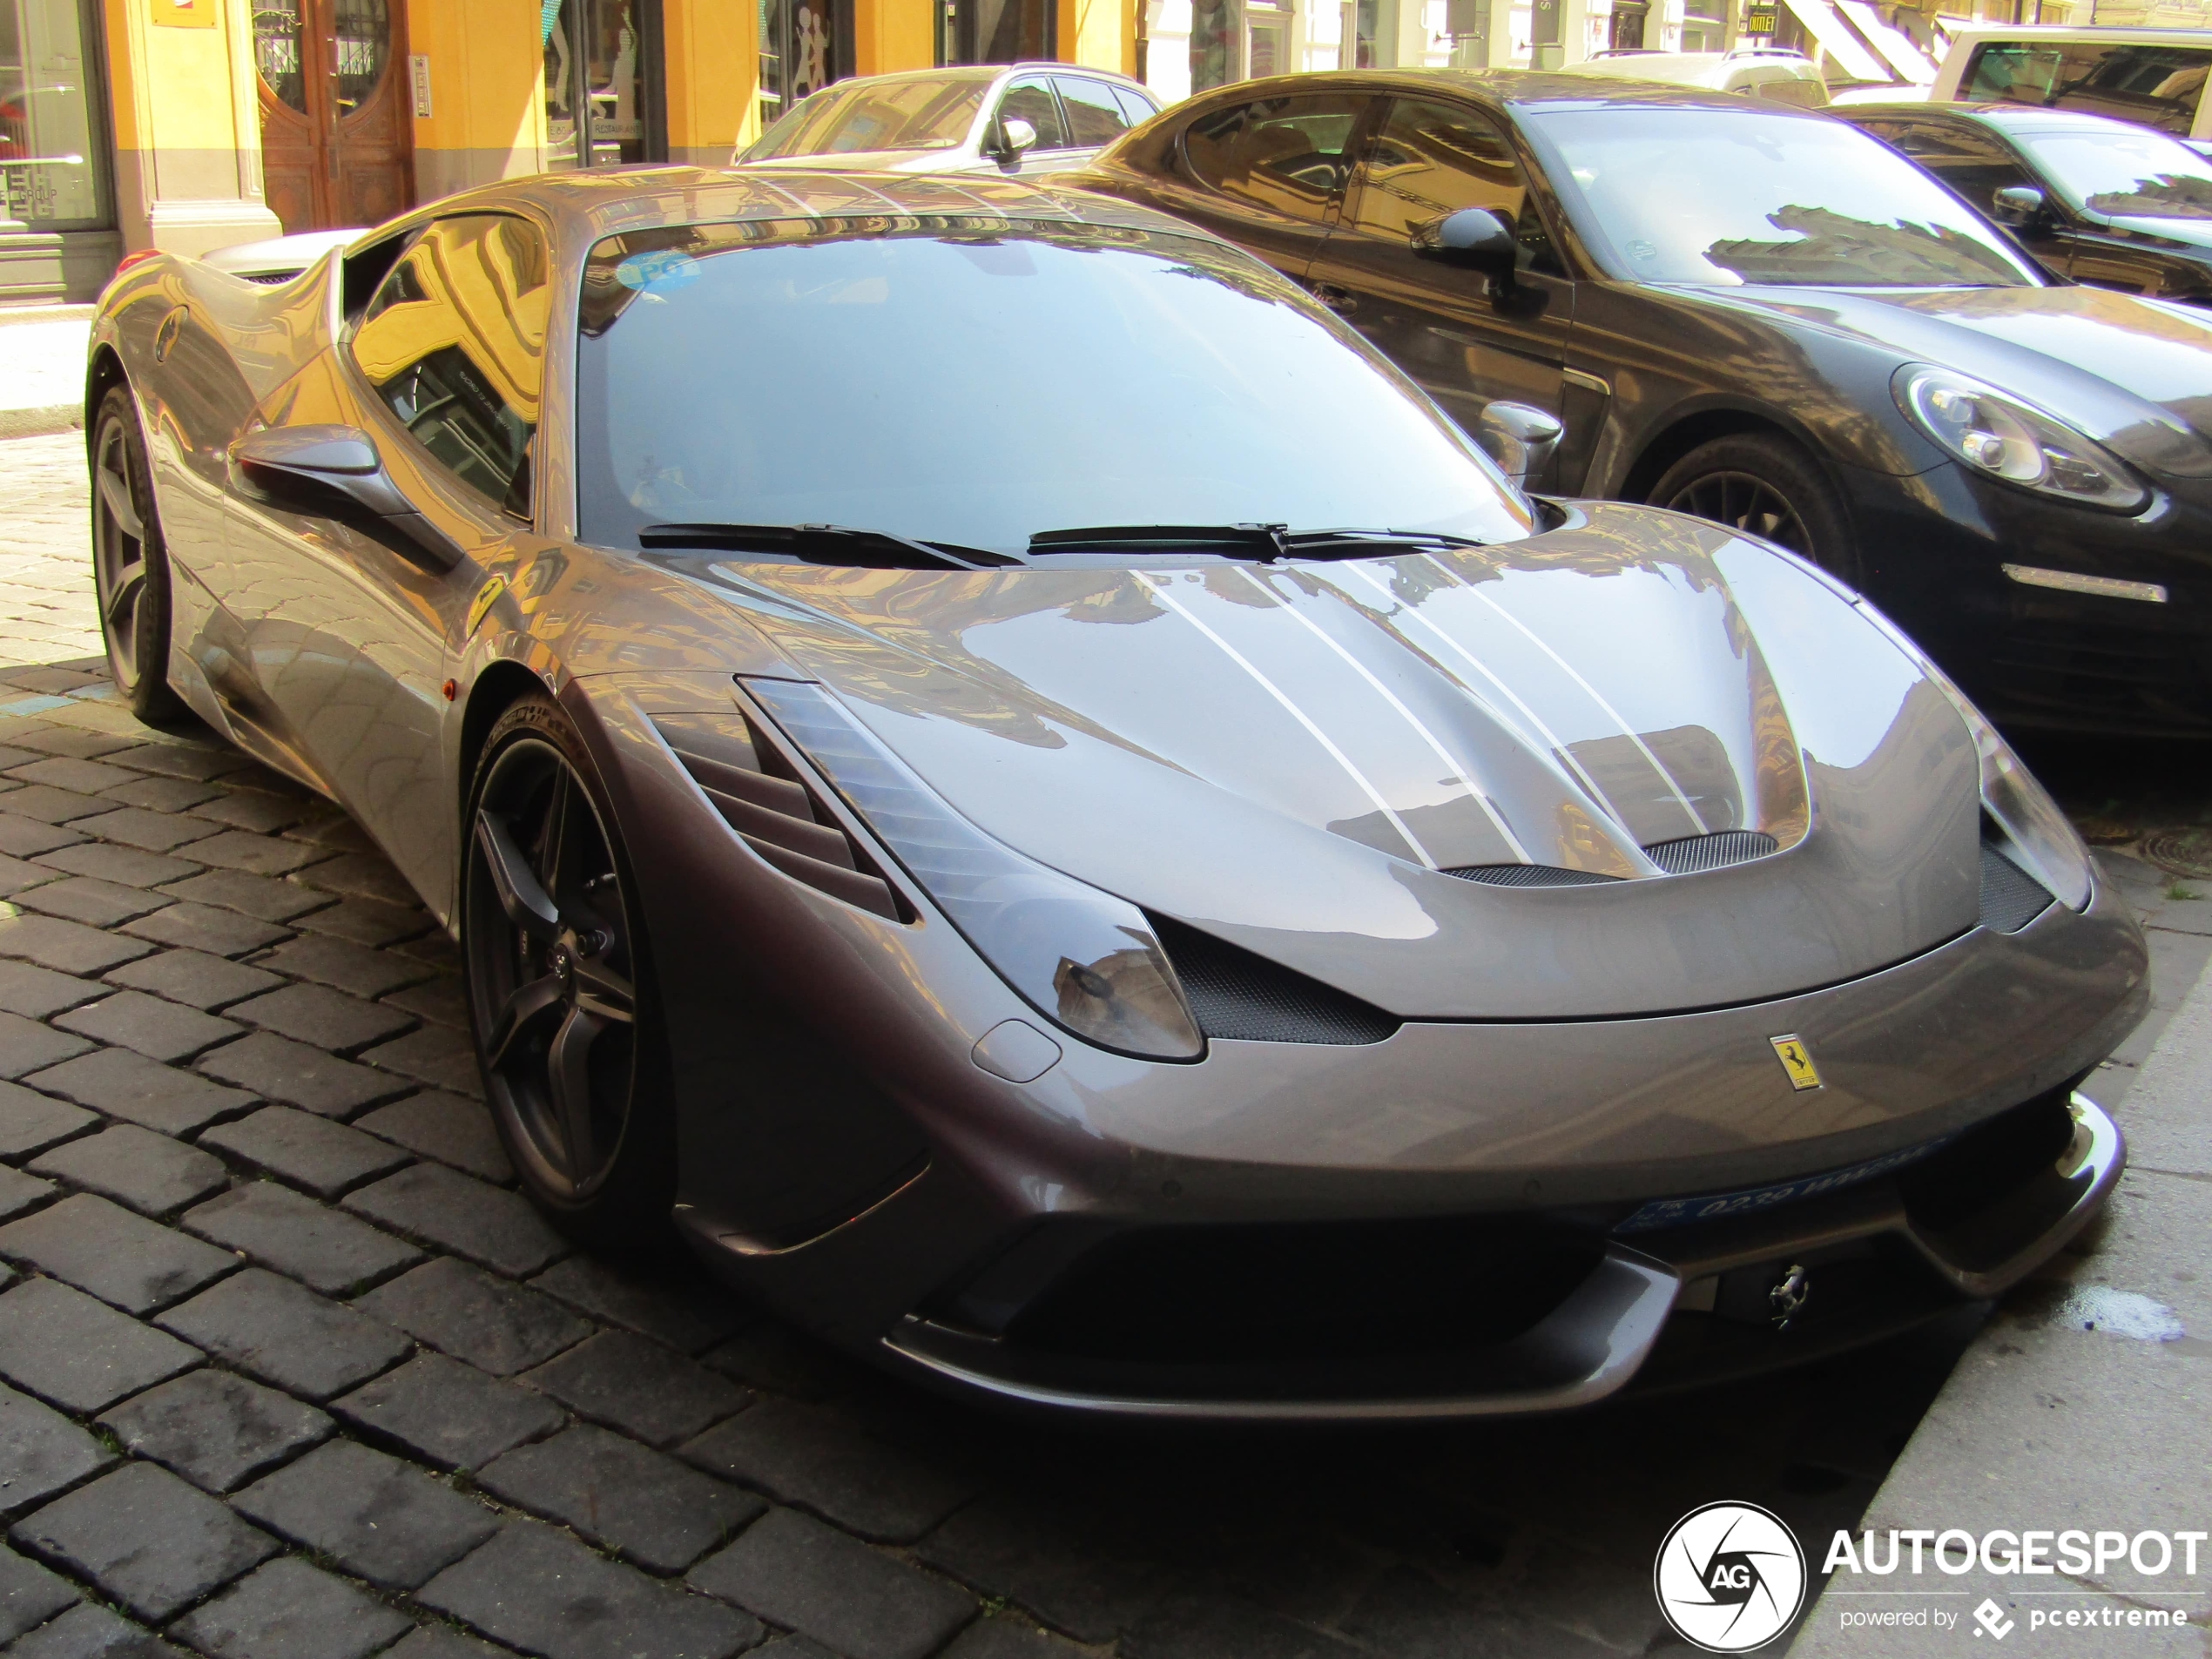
(659, 272)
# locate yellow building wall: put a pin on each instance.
(487, 117)
(1099, 33)
(892, 35)
(187, 128)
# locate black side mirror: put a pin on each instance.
(334, 472)
(2018, 207)
(1520, 438)
(1474, 238)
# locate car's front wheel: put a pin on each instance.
(1765, 485)
(556, 955)
(131, 561)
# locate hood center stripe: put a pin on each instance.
(1159, 591)
(1697, 824)
(1426, 736)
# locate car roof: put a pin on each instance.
(2023, 119)
(586, 206)
(1518, 88)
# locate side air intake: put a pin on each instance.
(1695, 854)
(761, 796)
(2010, 897)
(1236, 995)
(1529, 876)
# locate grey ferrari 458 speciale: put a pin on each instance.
(993, 761)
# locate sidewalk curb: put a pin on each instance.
(41, 423)
(2059, 1415)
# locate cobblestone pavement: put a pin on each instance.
(289, 1371)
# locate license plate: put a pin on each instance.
(1721, 1206)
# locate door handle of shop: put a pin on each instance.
(1342, 302)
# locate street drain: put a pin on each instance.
(2181, 851)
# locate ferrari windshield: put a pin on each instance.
(1715, 199)
(919, 113)
(978, 381)
(2128, 173)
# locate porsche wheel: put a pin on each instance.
(555, 959)
(130, 562)
(1768, 486)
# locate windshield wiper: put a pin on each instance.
(1268, 543)
(835, 544)
(1265, 541)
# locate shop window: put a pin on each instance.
(1705, 25)
(49, 164)
(1215, 43)
(803, 47)
(601, 83)
(996, 32)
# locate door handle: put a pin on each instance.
(1342, 302)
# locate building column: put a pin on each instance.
(187, 119)
(712, 50)
(1099, 33)
(890, 35)
(477, 88)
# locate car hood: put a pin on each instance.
(1291, 756)
(2132, 373)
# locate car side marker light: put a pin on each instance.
(2105, 587)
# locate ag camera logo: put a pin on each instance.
(1729, 1577)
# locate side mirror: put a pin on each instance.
(1474, 238)
(2017, 206)
(1013, 137)
(334, 472)
(1518, 438)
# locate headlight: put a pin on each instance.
(2004, 438)
(2037, 835)
(1086, 960)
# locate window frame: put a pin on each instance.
(1027, 78)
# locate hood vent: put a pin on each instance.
(1238, 997)
(1694, 854)
(760, 795)
(1528, 875)
(2010, 897)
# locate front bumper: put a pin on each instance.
(1936, 544)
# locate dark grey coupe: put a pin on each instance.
(996, 764)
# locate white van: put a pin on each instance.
(1779, 76)
(2154, 77)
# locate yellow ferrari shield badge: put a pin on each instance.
(1797, 1060)
(480, 605)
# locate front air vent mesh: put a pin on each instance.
(269, 279)
(1528, 875)
(760, 795)
(1694, 854)
(1238, 995)
(2010, 897)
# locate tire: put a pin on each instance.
(130, 563)
(1765, 485)
(566, 1029)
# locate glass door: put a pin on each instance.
(803, 48)
(337, 137)
(602, 84)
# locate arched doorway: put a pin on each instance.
(336, 132)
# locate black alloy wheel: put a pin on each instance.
(552, 947)
(130, 562)
(1766, 486)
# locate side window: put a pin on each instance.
(1135, 109)
(1093, 115)
(1032, 101)
(2153, 86)
(453, 342)
(1972, 162)
(1433, 159)
(1289, 155)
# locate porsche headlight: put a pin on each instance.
(2037, 834)
(1085, 959)
(2004, 438)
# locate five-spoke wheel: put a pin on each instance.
(551, 948)
(130, 563)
